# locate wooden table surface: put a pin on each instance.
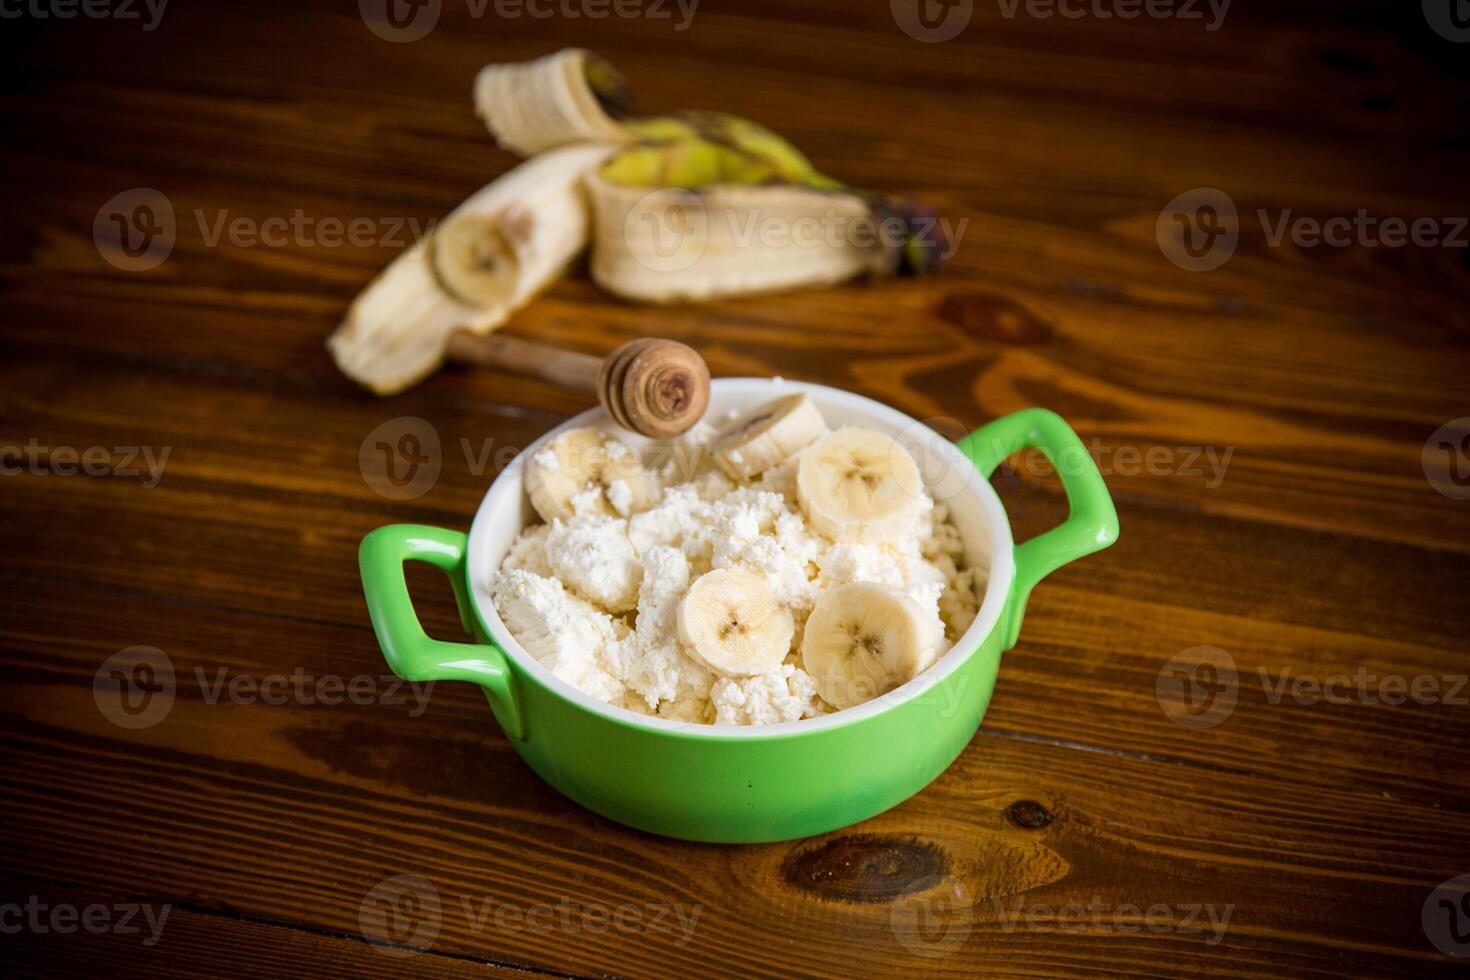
(1268, 430)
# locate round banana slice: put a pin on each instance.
(768, 435)
(732, 622)
(859, 485)
(585, 461)
(472, 259)
(864, 639)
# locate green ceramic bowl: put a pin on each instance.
(736, 784)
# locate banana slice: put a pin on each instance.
(767, 436)
(473, 256)
(732, 622)
(859, 485)
(864, 639)
(605, 474)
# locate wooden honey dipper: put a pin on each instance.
(655, 387)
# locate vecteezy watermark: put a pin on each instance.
(135, 688)
(934, 923)
(1097, 916)
(401, 458)
(932, 21)
(124, 10)
(1198, 687)
(1209, 12)
(119, 461)
(1208, 462)
(301, 688)
(944, 480)
(137, 229)
(670, 229)
(1200, 229)
(1363, 686)
(1446, 917)
(402, 21)
(1446, 459)
(1450, 19)
(402, 915)
(96, 918)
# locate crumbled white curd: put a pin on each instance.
(597, 596)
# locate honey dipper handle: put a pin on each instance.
(561, 367)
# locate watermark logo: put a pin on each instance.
(934, 923)
(401, 459)
(97, 918)
(94, 461)
(1449, 18)
(91, 9)
(670, 229)
(134, 688)
(1199, 229)
(1446, 459)
(667, 230)
(932, 21)
(1097, 916)
(1186, 10)
(401, 915)
(135, 229)
(1446, 917)
(400, 21)
(1363, 687)
(1198, 687)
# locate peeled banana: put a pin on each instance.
(700, 205)
(492, 255)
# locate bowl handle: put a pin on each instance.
(1092, 521)
(412, 653)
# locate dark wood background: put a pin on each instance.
(1324, 549)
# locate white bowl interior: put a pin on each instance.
(950, 477)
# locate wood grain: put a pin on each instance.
(1286, 398)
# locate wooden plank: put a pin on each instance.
(242, 804)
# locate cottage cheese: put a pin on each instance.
(595, 598)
